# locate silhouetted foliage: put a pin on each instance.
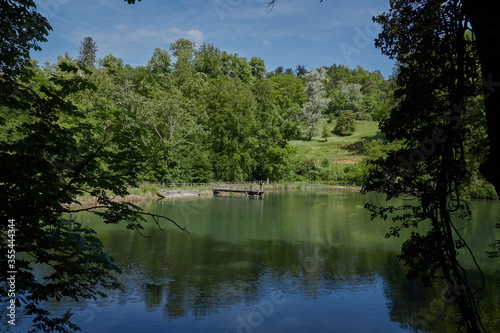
(437, 140)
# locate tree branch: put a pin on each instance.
(155, 217)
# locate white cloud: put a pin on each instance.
(194, 35)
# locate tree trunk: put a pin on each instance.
(484, 20)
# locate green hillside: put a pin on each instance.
(336, 159)
(339, 149)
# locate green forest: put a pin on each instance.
(204, 115)
(207, 115)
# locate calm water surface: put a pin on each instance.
(299, 261)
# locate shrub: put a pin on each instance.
(346, 123)
(330, 118)
(353, 173)
(325, 132)
(481, 190)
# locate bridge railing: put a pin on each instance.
(237, 187)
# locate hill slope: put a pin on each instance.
(338, 149)
(338, 158)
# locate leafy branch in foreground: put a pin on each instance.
(55, 155)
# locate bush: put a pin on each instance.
(346, 123)
(325, 132)
(481, 190)
(330, 118)
(312, 170)
(353, 173)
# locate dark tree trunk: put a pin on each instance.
(485, 21)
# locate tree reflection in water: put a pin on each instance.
(303, 260)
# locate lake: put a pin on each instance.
(293, 261)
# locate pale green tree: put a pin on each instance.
(352, 94)
(312, 110)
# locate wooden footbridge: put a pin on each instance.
(238, 188)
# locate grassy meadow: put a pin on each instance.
(339, 149)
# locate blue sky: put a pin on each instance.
(295, 32)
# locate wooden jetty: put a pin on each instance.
(238, 188)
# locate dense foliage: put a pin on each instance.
(437, 134)
(60, 138)
(210, 115)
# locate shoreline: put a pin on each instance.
(176, 191)
(189, 192)
(133, 198)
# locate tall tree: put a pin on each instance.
(231, 122)
(436, 136)
(353, 95)
(160, 62)
(184, 70)
(208, 60)
(57, 153)
(183, 49)
(22, 29)
(313, 109)
(173, 118)
(258, 67)
(276, 121)
(87, 52)
(114, 66)
(240, 68)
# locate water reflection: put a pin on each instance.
(292, 262)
